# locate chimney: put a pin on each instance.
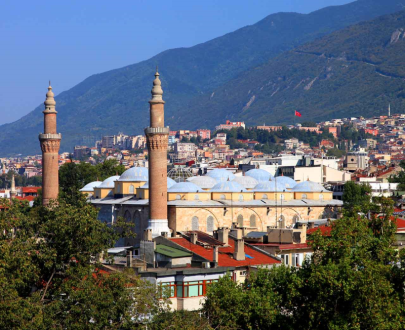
(223, 234)
(245, 231)
(165, 234)
(193, 238)
(239, 253)
(215, 256)
(129, 258)
(304, 233)
(147, 235)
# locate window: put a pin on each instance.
(210, 224)
(168, 290)
(321, 196)
(286, 261)
(304, 196)
(127, 216)
(240, 220)
(282, 196)
(192, 289)
(194, 223)
(264, 196)
(131, 189)
(240, 198)
(222, 197)
(296, 218)
(178, 197)
(118, 188)
(253, 221)
(196, 197)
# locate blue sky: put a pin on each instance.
(67, 41)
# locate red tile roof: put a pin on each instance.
(225, 254)
(30, 189)
(27, 198)
(325, 230)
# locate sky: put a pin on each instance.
(67, 41)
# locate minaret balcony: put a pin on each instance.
(50, 136)
(157, 130)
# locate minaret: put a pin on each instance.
(50, 143)
(157, 137)
(13, 192)
(389, 110)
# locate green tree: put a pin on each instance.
(50, 279)
(357, 197)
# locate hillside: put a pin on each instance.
(117, 100)
(352, 72)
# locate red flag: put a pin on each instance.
(297, 113)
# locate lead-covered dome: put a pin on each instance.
(184, 187)
(90, 186)
(221, 175)
(228, 186)
(270, 186)
(135, 174)
(109, 182)
(170, 183)
(179, 174)
(246, 182)
(309, 186)
(205, 182)
(260, 175)
(285, 180)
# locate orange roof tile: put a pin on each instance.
(225, 254)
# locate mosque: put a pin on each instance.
(253, 201)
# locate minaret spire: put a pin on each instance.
(50, 143)
(389, 110)
(157, 137)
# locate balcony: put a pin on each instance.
(157, 130)
(50, 136)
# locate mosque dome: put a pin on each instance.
(228, 186)
(135, 174)
(285, 180)
(170, 183)
(270, 186)
(109, 182)
(260, 175)
(246, 181)
(221, 175)
(184, 187)
(90, 186)
(179, 174)
(205, 182)
(309, 186)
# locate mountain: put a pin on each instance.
(116, 100)
(355, 71)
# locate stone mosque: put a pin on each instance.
(149, 199)
(154, 203)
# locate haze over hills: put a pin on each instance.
(117, 100)
(355, 71)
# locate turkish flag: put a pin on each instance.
(297, 113)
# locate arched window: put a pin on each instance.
(240, 198)
(304, 196)
(321, 196)
(281, 220)
(131, 189)
(127, 216)
(210, 224)
(196, 197)
(253, 221)
(264, 196)
(222, 197)
(296, 218)
(240, 220)
(137, 224)
(178, 197)
(194, 223)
